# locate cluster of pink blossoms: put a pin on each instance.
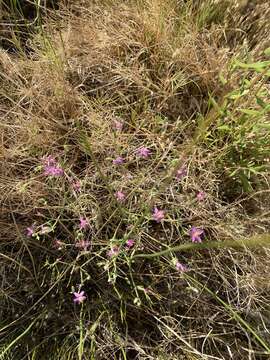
(83, 244)
(120, 196)
(180, 267)
(51, 167)
(130, 243)
(142, 152)
(118, 161)
(115, 250)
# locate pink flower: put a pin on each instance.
(130, 243)
(201, 195)
(30, 231)
(118, 125)
(79, 297)
(143, 152)
(196, 234)
(76, 185)
(113, 252)
(180, 267)
(52, 170)
(118, 161)
(120, 196)
(83, 223)
(158, 215)
(182, 172)
(83, 244)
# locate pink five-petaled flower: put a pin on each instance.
(143, 152)
(30, 231)
(182, 172)
(118, 161)
(158, 215)
(195, 234)
(83, 223)
(83, 244)
(180, 267)
(53, 170)
(201, 195)
(118, 125)
(79, 297)
(120, 196)
(113, 252)
(130, 243)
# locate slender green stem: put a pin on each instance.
(256, 241)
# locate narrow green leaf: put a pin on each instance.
(250, 112)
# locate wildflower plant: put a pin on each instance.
(158, 215)
(180, 267)
(51, 167)
(130, 243)
(120, 196)
(201, 195)
(196, 234)
(83, 223)
(30, 231)
(143, 152)
(118, 161)
(79, 297)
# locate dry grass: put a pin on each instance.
(166, 70)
